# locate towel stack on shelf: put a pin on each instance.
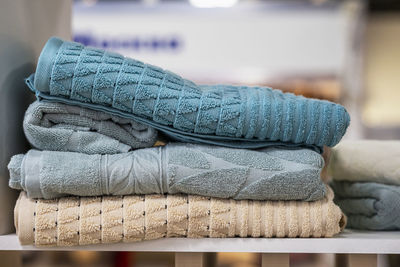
(366, 181)
(234, 161)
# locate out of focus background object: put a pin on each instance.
(381, 111)
(24, 28)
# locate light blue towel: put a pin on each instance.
(59, 127)
(369, 206)
(235, 116)
(267, 174)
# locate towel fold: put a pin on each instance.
(73, 221)
(234, 116)
(366, 161)
(369, 206)
(59, 127)
(270, 173)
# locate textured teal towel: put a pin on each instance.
(247, 117)
(271, 173)
(369, 206)
(55, 126)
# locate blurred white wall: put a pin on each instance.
(248, 43)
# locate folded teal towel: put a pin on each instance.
(271, 173)
(55, 126)
(235, 116)
(369, 206)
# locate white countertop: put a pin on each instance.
(346, 242)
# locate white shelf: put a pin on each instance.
(347, 242)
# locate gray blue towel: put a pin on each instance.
(235, 116)
(369, 206)
(267, 174)
(55, 126)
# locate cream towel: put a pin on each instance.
(72, 221)
(366, 161)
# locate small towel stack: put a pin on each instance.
(233, 161)
(366, 182)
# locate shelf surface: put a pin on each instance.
(346, 242)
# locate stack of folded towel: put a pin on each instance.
(366, 181)
(234, 161)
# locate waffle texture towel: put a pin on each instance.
(91, 220)
(369, 206)
(366, 161)
(59, 127)
(246, 117)
(267, 174)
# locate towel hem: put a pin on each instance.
(45, 64)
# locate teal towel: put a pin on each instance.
(369, 206)
(268, 174)
(235, 116)
(55, 126)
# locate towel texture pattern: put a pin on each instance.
(369, 206)
(92, 220)
(366, 161)
(59, 127)
(266, 174)
(72, 73)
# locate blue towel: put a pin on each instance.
(369, 206)
(235, 116)
(268, 174)
(59, 127)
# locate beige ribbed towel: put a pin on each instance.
(91, 220)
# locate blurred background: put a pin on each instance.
(343, 51)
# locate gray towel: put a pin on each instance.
(267, 174)
(55, 126)
(369, 206)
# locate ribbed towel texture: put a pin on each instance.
(59, 127)
(220, 114)
(267, 174)
(369, 206)
(91, 220)
(366, 161)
